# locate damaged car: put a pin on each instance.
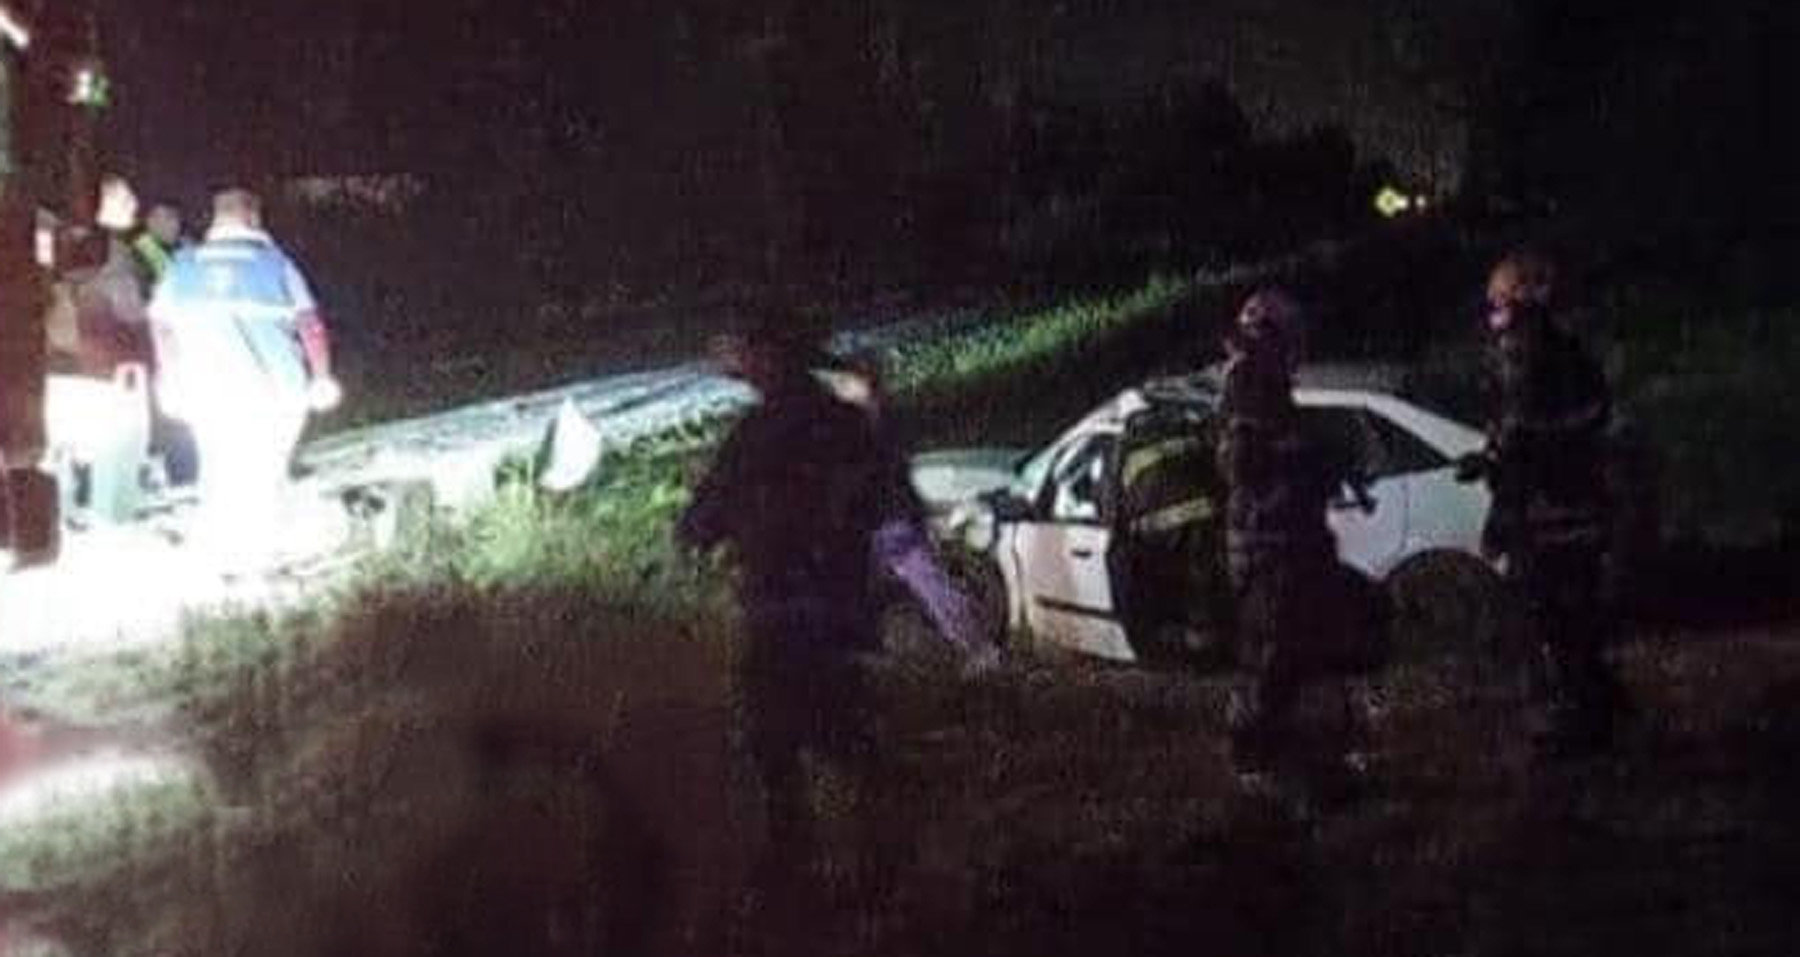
(1109, 540)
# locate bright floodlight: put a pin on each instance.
(90, 86)
(1390, 202)
(14, 31)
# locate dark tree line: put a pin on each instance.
(656, 142)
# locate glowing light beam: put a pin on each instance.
(14, 31)
(1390, 202)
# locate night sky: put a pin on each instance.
(880, 120)
(210, 89)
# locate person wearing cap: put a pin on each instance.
(792, 491)
(1546, 464)
(243, 359)
(107, 300)
(157, 243)
(153, 251)
(1280, 554)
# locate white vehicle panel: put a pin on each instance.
(1068, 589)
(1370, 532)
(1442, 513)
(1063, 555)
(1453, 439)
(1371, 541)
(1056, 569)
(1446, 514)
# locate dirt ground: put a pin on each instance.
(1052, 807)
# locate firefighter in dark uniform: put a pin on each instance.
(1546, 463)
(1279, 552)
(795, 491)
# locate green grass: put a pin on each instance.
(977, 357)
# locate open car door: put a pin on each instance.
(1168, 558)
(1063, 553)
(1369, 522)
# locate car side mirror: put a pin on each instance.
(1007, 506)
(1353, 497)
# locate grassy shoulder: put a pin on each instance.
(1052, 807)
(595, 567)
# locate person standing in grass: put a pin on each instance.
(793, 491)
(1279, 552)
(108, 300)
(156, 244)
(244, 359)
(1546, 463)
(154, 251)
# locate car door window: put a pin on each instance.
(1402, 452)
(1078, 481)
(1346, 437)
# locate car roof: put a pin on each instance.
(1324, 383)
(1383, 377)
(1371, 386)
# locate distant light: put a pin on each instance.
(91, 88)
(14, 31)
(44, 246)
(1390, 202)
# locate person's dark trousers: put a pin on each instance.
(1274, 599)
(1560, 591)
(801, 690)
(174, 441)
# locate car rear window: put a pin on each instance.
(1404, 452)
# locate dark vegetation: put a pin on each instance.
(560, 219)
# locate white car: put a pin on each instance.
(1127, 504)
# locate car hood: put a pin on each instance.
(945, 478)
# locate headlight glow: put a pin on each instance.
(974, 524)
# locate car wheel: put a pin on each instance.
(1441, 605)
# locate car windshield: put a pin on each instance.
(1032, 467)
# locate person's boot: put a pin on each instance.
(1260, 766)
(1578, 713)
(1247, 744)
